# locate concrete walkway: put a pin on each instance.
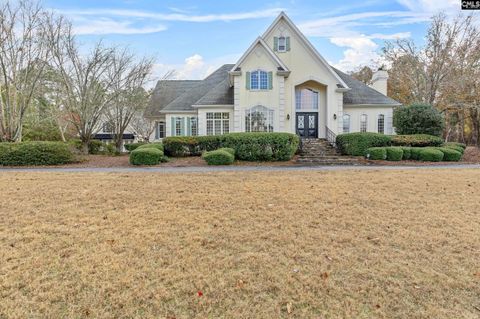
(212, 169)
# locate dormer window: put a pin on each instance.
(282, 44)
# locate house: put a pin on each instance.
(280, 84)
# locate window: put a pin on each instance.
(218, 123)
(178, 126)
(259, 119)
(363, 123)
(160, 130)
(346, 123)
(282, 44)
(381, 123)
(259, 80)
(194, 126)
(306, 99)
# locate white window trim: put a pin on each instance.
(366, 122)
(343, 123)
(222, 123)
(259, 86)
(378, 127)
(284, 44)
(270, 115)
(308, 110)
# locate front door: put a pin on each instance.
(307, 125)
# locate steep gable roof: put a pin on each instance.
(362, 94)
(165, 92)
(222, 94)
(270, 53)
(307, 43)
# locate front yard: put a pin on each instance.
(348, 244)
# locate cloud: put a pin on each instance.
(430, 6)
(109, 26)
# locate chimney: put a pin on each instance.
(379, 81)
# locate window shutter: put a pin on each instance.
(275, 44)
(189, 126)
(287, 43)
(182, 127)
(248, 80)
(172, 127)
(270, 80)
(157, 130)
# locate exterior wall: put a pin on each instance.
(168, 121)
(305, 66)
(372, 113)
(202, 118)
(156, 120)
(245, 99)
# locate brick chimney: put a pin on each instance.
(379, 80)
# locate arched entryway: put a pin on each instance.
(310, 109)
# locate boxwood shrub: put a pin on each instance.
(376, 153)
(455, 146)
(415, 153)
(151, 145)
(35, 153)
(450, 155)
(248, 146)
(416, 140)
(407, 153)
(357, 143)
(394, 153)
(229, 150)
(133, 146)
(218, 157)
(146, 156)
(429, 154)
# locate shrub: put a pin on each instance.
(158, 146)
(218, 157)
(461, 145)
(95, 147)
(248, 146)
(146, 156)
(450, 155)
(455, 146)
(358, 143)
(35, 153)
(376, 153)
(418, 119)
(407, 153)
(133, 146)
(429, 154)
(394, 153)
(229, 150)
(416, 140)
(44, 131)
(415, 153)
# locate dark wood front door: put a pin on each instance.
(307, 124)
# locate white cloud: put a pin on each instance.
(109, 26)
(431, 6)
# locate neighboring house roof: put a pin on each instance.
(362, 94)
(165, 92)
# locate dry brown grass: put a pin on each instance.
(352, 244)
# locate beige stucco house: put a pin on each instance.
(280, 84)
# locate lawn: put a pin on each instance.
(345, 244)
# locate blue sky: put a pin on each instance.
(195, 37)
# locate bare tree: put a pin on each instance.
(24, 53)
(130, 96)
(142, 127)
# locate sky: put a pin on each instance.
(195, 37)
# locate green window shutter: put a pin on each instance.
(270, 80)
(172, 128)
(189, 126)
(248, 80)
(287, 41)
(275, 44)
(182, 127)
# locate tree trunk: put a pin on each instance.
(84, 149)
(118, 144)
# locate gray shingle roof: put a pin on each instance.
(180, 95)
(360, 93)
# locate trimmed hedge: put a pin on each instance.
(248, 146)
(407, 153)
(429, 154)
(146, 156)
(376, 153)
(228, 149)
(394, 153)
(357, 143)
(416, 140)
(158, 146)
(218, 157)
(133, 146)
(459, 147)
(35, 153)
(450, 155)
(415, 153)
